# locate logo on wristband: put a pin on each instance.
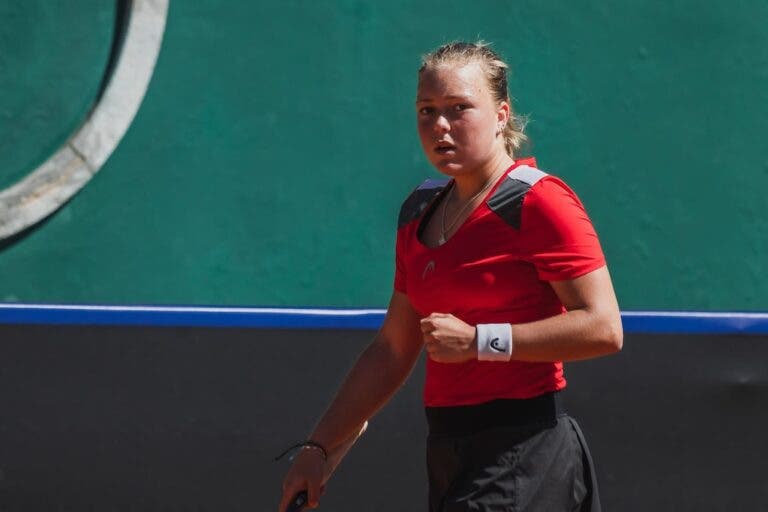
(498, 347)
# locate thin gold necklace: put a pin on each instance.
(443, 228)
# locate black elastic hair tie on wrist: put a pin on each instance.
(304, 444)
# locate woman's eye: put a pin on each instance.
(460, 107)
(425, 111)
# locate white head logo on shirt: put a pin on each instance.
(427, 269)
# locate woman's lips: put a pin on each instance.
(445, 149)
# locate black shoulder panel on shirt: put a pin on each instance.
(507, 200)
(419, 199)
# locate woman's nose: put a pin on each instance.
(442, 125)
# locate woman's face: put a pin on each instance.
(458, 119)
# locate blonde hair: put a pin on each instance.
(495, 71)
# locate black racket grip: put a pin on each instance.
(298, 502)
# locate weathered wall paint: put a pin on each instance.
(52, 60)
(277, 140)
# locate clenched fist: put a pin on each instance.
(448, 339)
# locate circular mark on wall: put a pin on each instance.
(64, 173)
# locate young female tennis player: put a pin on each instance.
(500, 277)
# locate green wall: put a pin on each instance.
(268, 161)
(52, 59)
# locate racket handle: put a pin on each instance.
(298, 502)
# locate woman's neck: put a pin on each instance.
(468, 184)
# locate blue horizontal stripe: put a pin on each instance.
(191, 316)
(661, 322)
(652, 322)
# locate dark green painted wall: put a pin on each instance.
(269, 158)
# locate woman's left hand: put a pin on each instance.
(448, 339)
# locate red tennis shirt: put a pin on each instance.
(530, 229)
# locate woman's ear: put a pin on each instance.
(503, 113)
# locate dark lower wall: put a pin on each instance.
(111, 418)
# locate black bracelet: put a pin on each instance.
(305, 444)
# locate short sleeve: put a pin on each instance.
(400, 277)
(560, 240)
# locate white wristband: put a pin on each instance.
(494, 342)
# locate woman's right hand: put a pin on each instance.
(305, 474)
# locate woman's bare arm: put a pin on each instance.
(590, 328)
(378, 373)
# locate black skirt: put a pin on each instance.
(510, 456)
